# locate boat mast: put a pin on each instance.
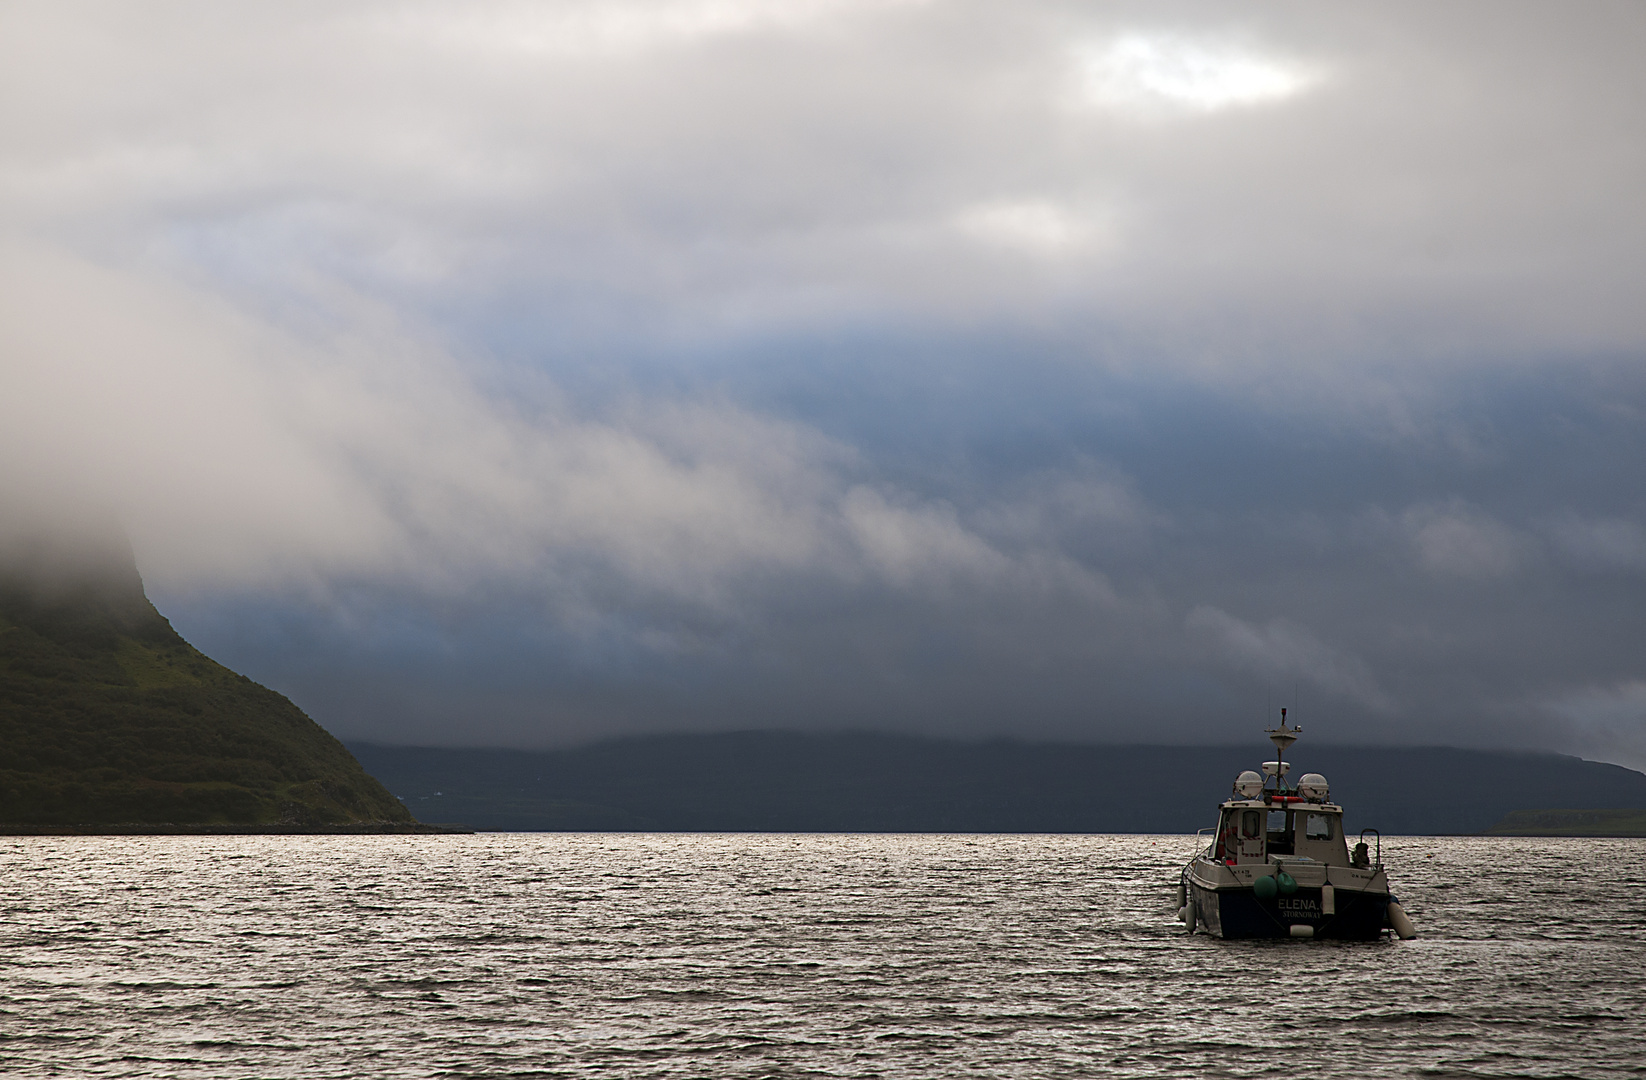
(1282, 737)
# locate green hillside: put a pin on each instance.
(107, 716)
(1571, 823)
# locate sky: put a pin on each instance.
(516, 374)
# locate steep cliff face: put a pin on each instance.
(107, 716)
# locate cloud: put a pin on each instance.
(243, 455)
(1608, 720)
(1454, 539)
(638, 175)
(579, 28)
(905, 544)
(1281, 649)
(1601, 544)
(1031, 225)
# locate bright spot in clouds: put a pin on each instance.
(1142, 71)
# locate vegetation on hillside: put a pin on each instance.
(1571, 823)
(108, 716)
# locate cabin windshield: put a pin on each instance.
(1320, 836)
(1280, 832)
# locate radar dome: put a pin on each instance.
(1312, 786)
(1248, 785)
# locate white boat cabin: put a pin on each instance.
(1253, 830)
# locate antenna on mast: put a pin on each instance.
(1282, 737)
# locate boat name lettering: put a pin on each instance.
(1300, 907)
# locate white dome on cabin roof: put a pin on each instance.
(1248, 785)
(1313, 786)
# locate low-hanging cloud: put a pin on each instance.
(1282, 651)
(1607, 717)
(1459, 540)
(1600, 544)
(241, 455)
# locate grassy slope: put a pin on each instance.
(108, 716)
(1571, 823)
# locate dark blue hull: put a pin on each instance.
(1238, 913)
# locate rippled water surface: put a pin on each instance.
(777, 956)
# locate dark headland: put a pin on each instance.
(768, 781)
(111, 723)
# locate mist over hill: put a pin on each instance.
(107, 716)
(860, 782)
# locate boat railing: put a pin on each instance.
(1207, 850)
(1377, 859)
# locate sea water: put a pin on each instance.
(559, 955)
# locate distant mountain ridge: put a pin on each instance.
(107, 716)
(768, 781)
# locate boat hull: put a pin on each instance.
(1236, 912)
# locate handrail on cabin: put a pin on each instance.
(1202, 832)
(1377, 860)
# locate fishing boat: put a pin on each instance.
(1280, 866)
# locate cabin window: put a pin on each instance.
(1280, 832)
(1249, 824)
(1318, 827)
